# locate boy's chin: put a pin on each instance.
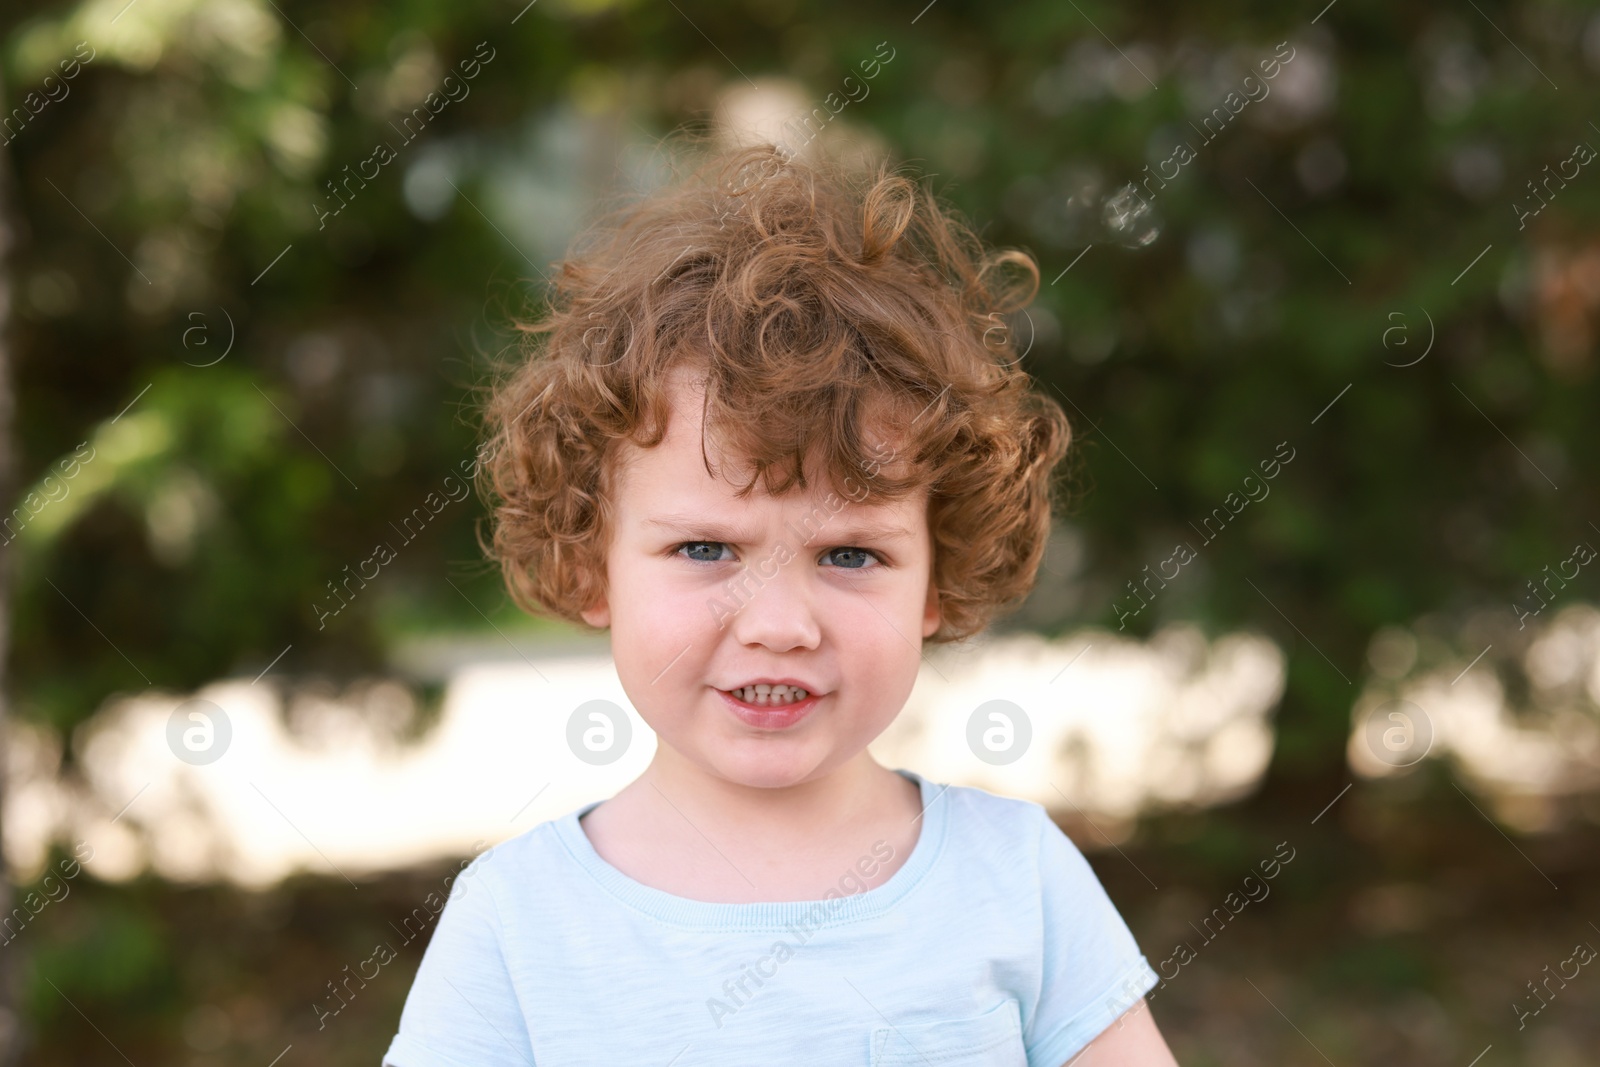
(766, 764)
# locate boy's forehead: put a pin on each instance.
(668, 486)
(673, 475)
(676, 466)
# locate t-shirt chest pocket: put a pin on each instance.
(993, 1039)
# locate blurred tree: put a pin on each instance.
(9, 1019)
(278, 364)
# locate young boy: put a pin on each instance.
(775, 440)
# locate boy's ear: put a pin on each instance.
(931, 614)
(597, 614)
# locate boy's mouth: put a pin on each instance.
(769, 696)
(765, 714)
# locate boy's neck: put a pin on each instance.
(682, 829)
(850, 793)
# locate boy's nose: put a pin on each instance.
(777, 612)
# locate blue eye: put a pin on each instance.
(856, 553)
(698, 544)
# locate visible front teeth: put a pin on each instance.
(770, 694)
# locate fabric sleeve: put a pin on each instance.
(462, 1010)
(1093, 969)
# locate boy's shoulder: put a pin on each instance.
(540, 848)
(977, 816)
(983, 802)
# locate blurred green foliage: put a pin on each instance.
(169, 211)
(171, 204)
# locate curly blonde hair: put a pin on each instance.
(817, 306)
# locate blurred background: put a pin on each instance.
(1320, 292)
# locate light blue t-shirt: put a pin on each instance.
(994, 944)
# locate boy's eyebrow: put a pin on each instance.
(831, 528)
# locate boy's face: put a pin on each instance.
(708, 592)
